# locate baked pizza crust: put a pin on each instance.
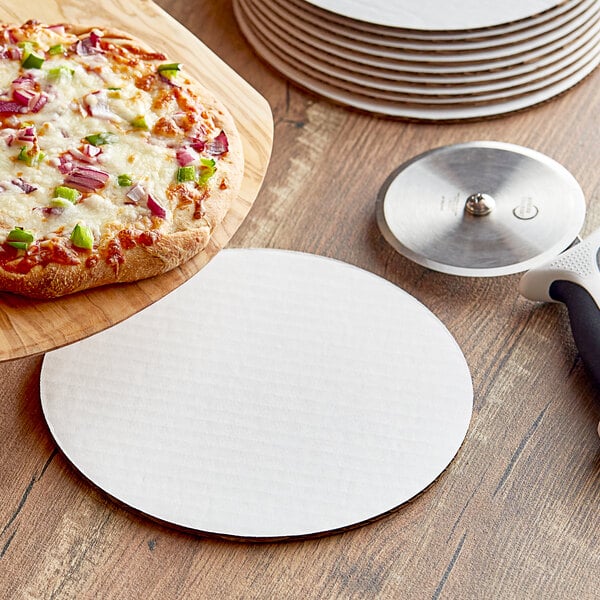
(168, 250)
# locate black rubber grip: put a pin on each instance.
(584, 316)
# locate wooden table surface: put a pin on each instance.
(516, 515)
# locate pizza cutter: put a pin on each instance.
(481, 209)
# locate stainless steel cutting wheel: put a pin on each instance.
(480, 209)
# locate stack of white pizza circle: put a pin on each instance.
(428, 60)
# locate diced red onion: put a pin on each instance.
(77, 154)
(66, 168)
(89, 45)
(95, 36)
(155, 207)
(26, 187)
(24, 96)
(166, 79)
(25, 80)
(27, 134)
(11, 52)
(87, 179)
(185, 156)
(88, 153)
(97, 105)
(10, 106)
(219, 145)
(92, 150)
(66, 163)
(9, 36)
(14, 53)
(24, 92)
(137, 193)
(96, 174)
(198, 145)
(40, 102)
(33, 101)
(9, 135)
(84, 47)
(58, 28)
(50, 210)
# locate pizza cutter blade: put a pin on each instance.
(488, 208)
(480, 209)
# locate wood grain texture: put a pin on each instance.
(31, 327)
(515, 516)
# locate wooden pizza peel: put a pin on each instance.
(29, 327)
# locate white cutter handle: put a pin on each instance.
(579, 265)
(574, 279)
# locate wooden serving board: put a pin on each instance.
(29, 327)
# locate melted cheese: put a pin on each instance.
(62, 126)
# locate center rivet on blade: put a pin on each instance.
(480, 204)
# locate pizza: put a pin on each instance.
(116, 164)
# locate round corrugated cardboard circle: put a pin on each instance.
(437, 15)
(276, 394)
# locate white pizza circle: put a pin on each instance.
(437, 15)
(275, 394)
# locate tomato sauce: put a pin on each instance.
(61, 252)
(50, 251)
